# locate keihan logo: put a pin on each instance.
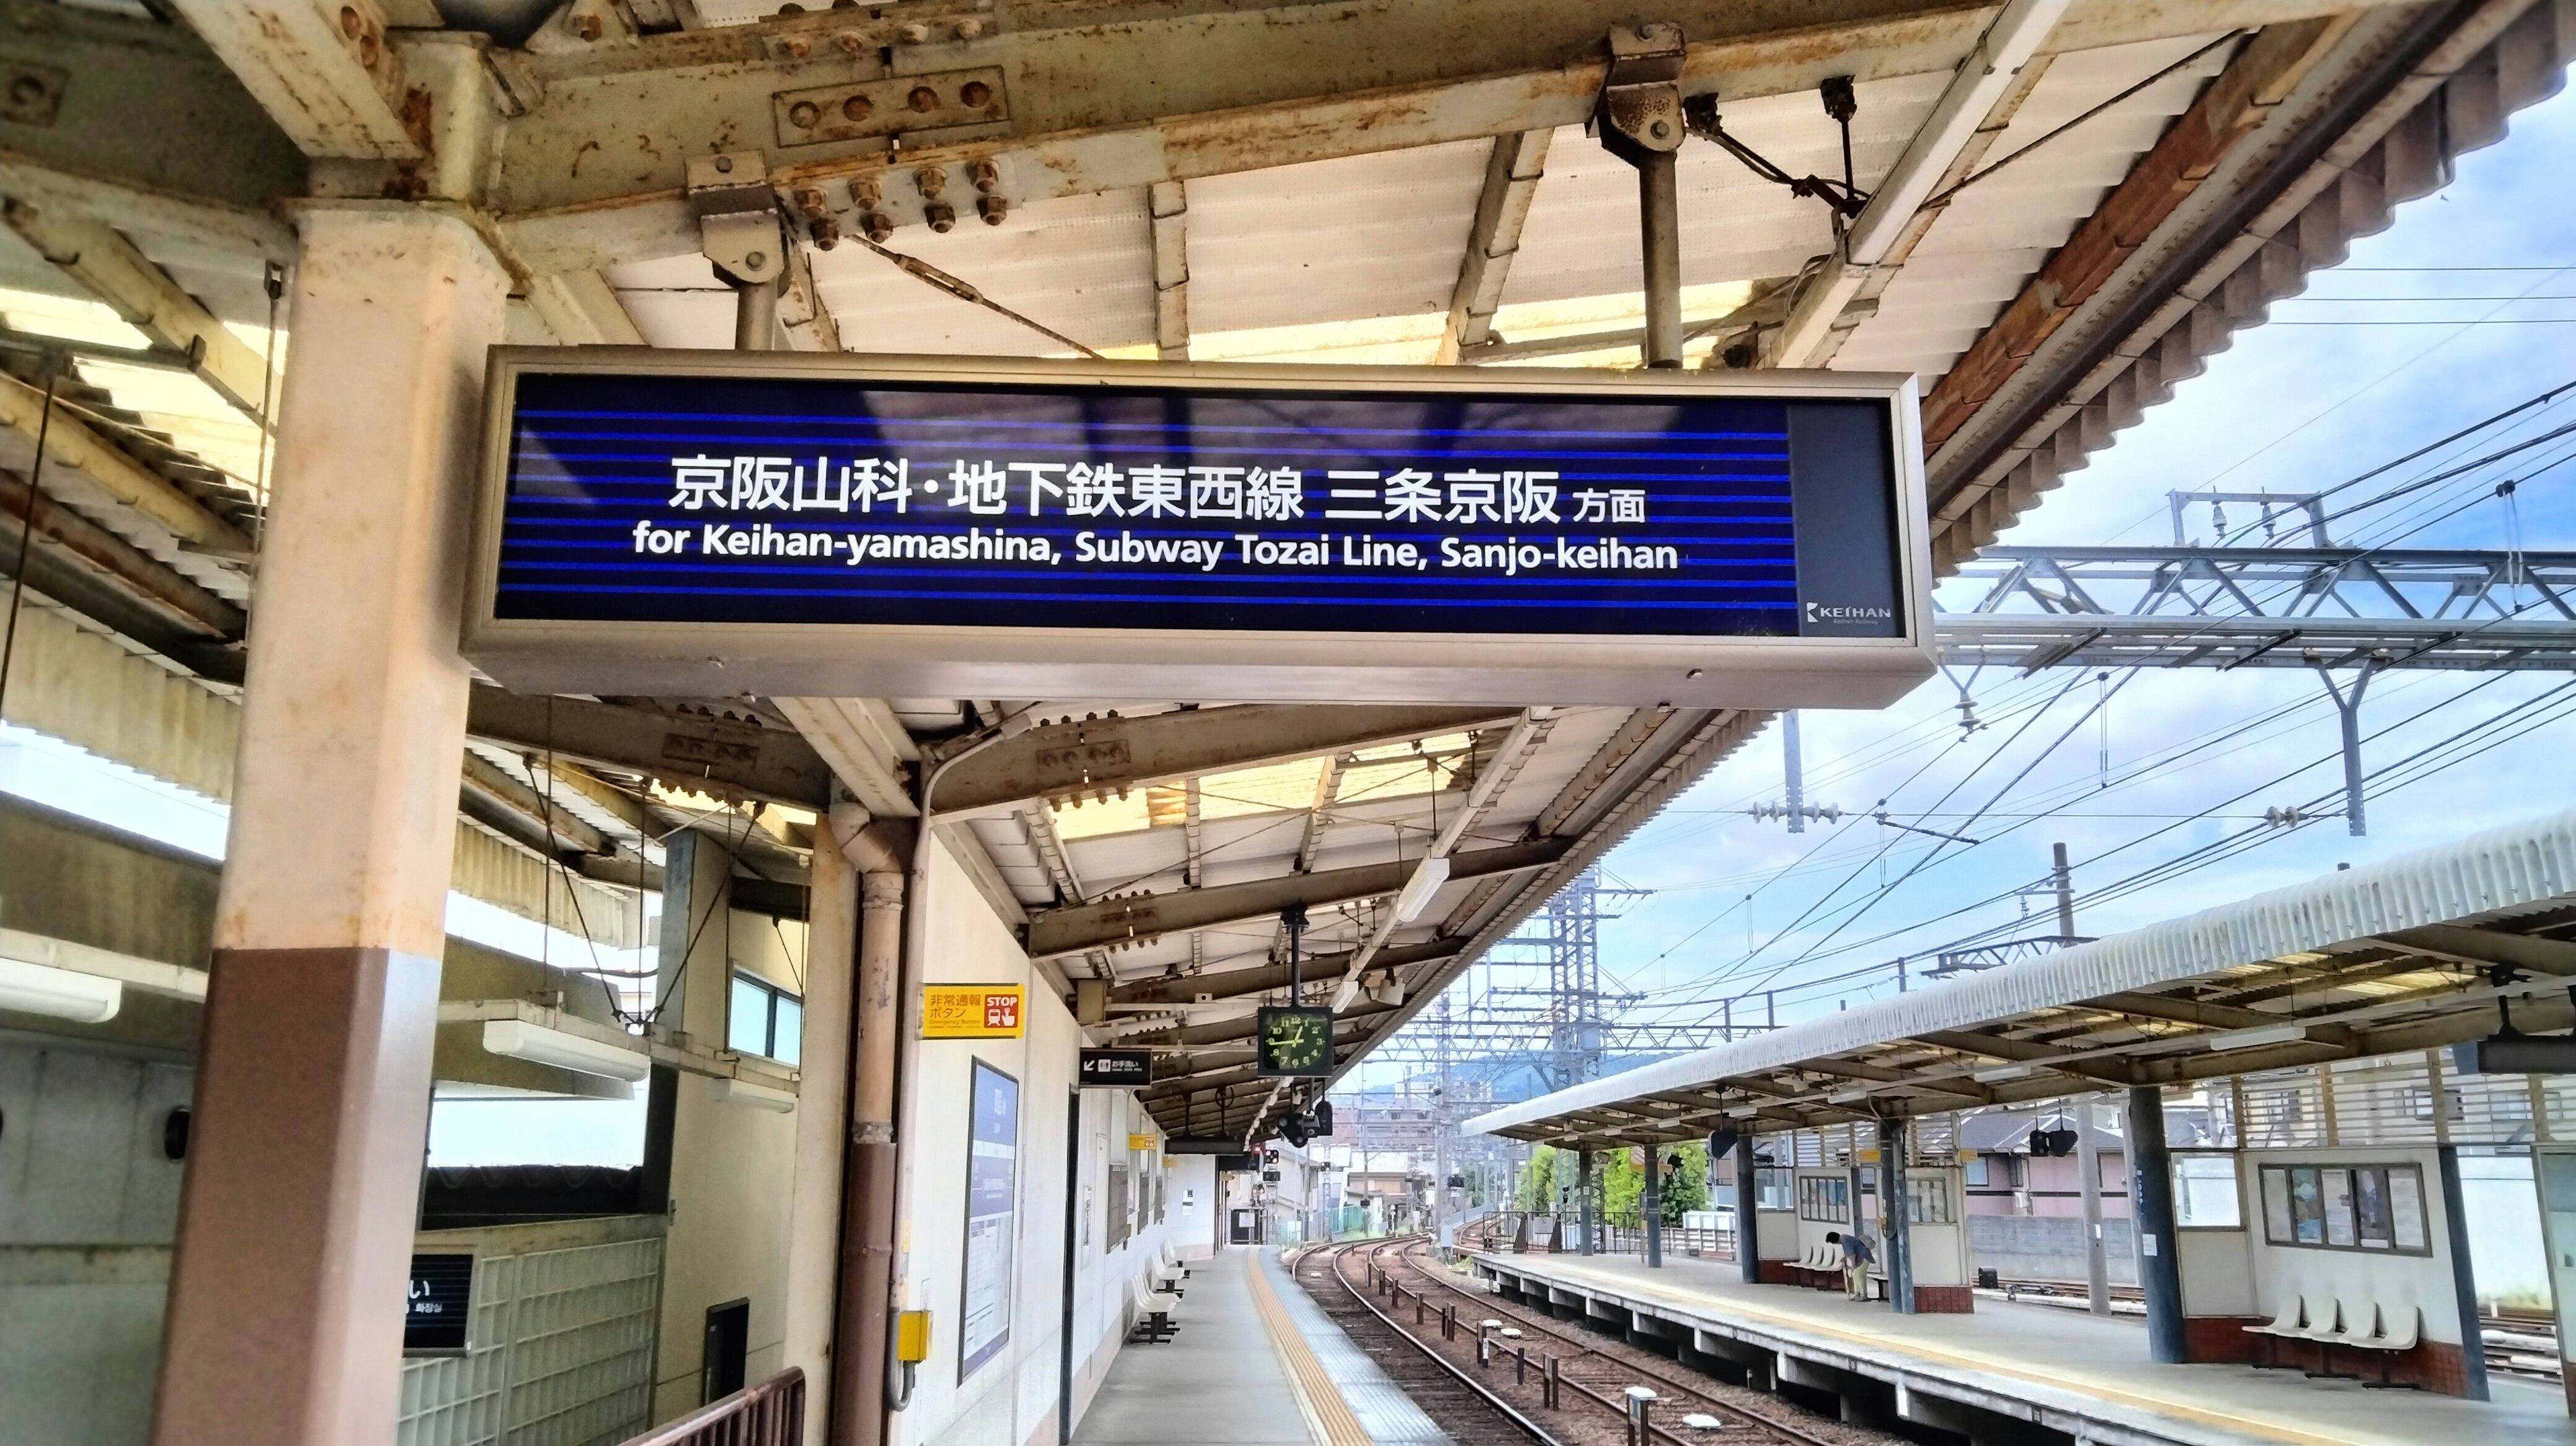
(1822, 613)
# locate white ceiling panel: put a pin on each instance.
(1366, 236)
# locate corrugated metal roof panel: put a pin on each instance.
(1368, 236)
(2501, 869)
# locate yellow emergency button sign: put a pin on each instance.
(973, 1011)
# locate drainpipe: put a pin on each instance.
(881, 852)
(890, 965)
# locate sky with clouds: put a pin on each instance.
(2462, 308)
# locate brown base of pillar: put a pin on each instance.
(1945, 1300)
(867, 1286)
(302, 1196)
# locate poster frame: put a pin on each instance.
(971, 1356)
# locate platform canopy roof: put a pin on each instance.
(2069, 204)
(2421, 951)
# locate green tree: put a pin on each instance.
(1623, 1183)
(1538, 1181)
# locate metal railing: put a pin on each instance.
(1540, 1232)
(769, 1414)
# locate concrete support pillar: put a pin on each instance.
(2088, 1172)
(1893, 1216)
(312, 1108)
(1748, 1219)
(822, 1131)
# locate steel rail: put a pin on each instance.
(1607, 1403)
(1548, 1327)
(1534, 1430)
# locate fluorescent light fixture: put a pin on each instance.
(2258, 1037)
(58, 993)
(2003, 1072)
(1847, 1097)
(759, 1097)
(564, 1050)
(1427, 878)
(1743, 1112)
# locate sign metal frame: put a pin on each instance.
(1114, 1068)
(906, 659)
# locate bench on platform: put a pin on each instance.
(2382, 1330)
(2289, 1325)
(1823, 1264)
(1157, 1313)
(1168, 1273)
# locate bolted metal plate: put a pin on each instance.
(860, 110)
(30, 94)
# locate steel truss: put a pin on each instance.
(2268, 607)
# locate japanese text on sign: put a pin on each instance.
(972, 1011)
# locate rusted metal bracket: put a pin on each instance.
(739, 225)
(1639, 117)
(1640, 111)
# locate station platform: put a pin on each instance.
(1991, 1374)
(1255, 1364)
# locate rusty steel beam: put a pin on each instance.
(1512, 174)
(2259, 79)
(1119, 922)
(740, 760)
(1062, 101)
(1236, 983)
(1116, 753)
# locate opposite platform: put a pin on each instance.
(2085, 1376)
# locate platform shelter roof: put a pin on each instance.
(2420, 951)
(2062, 207)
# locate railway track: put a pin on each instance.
(1542, 1380)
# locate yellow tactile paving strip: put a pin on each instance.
(1315, 1389)
(2058, 1379)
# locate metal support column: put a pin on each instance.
(1583, 1199)
(755, 316)
(1650, 1207)
(1893, 1139)
(2348, 712)
(2464, 1280)
(1640, 120)
(2088, 1172)
(1659, 221)
(2151, 1212)
(1748, 1204)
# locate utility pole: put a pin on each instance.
(2064, 878)
(1795, 783)
(1439, 1115)
(2088, 1167)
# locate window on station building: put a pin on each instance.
(1121, 1222)
(2205, 1193)
(764, 1019)
(1928, 1202)
(1824, 1197)
(1772, 1190)
(1979, 1172)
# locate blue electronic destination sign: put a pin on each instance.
(662, 497)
